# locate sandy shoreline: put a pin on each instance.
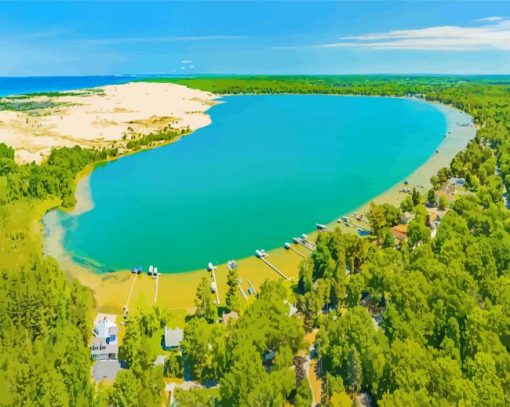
(178, 290)
(106, 116)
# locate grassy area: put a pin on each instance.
(21, 231)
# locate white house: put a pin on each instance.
(173, 338)
(105, 342)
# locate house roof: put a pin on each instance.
(173, 337)
(105, 327)
(100, 346)
(399, 232)
(229, 316)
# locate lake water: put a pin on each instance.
(267, 169)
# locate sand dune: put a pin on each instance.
(100, 117)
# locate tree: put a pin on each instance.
(377, 220)
(416, 197)
(431, 197)
(173, 365)
(340, 400)
(353, 371)
(232, 296)
(205, 307)
(443, 202)
(417, 232)
(303, 394)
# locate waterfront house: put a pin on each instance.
(228, 316)
(406, 218)
(105, 344)
(399, 232)
(172, 338)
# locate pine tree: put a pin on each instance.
(232, 297)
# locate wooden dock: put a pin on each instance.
(156, 290)
(242, 292)
(263, 258)
(305, 243)
(213, 275)
(288, 246)
(126, 307)
(253, 288)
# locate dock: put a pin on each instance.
(252, 288)
(242, 292)
(213, 275)
(126, 307)
(320, 226)
(261, 254)
(288, 246)
(303, 242)
(156, 289)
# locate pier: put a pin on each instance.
(156, 289)
(252, 288)
(288, 246)
(215, 285)
(126, 307)
(261, 254)
(303, 242)
(242, 292)
(320, 226)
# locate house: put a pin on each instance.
(232, 315)
(172, 338)
(399, 232)
(105, 344)
(406, 218)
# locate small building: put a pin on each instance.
(406, 217)
(172, 338)
(232, 315)
(399, 232)
(105, 344)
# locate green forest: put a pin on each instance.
(421, 322)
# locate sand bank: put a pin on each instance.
(99, 117)
(178, 290)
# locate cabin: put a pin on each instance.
(399, 232)
(172, 338)
(232, 315)
(105, 344)
(406, 217)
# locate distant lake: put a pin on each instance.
(267, 169)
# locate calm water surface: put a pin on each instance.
(267, 169)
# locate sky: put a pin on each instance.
(241, 37)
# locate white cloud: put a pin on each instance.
(490, 19)
(186, 61)
(495, 35)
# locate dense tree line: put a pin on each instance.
(44, 330)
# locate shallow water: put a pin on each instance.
(267, 169)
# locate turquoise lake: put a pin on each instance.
(267, 169)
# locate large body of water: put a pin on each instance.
(38, 84)
(267, 169)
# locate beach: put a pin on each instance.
(106, 116)
(177, 291)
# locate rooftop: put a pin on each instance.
(173, 337)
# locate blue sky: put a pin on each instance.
(84, 38)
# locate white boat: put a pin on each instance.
(150, 271)
(210, 266)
